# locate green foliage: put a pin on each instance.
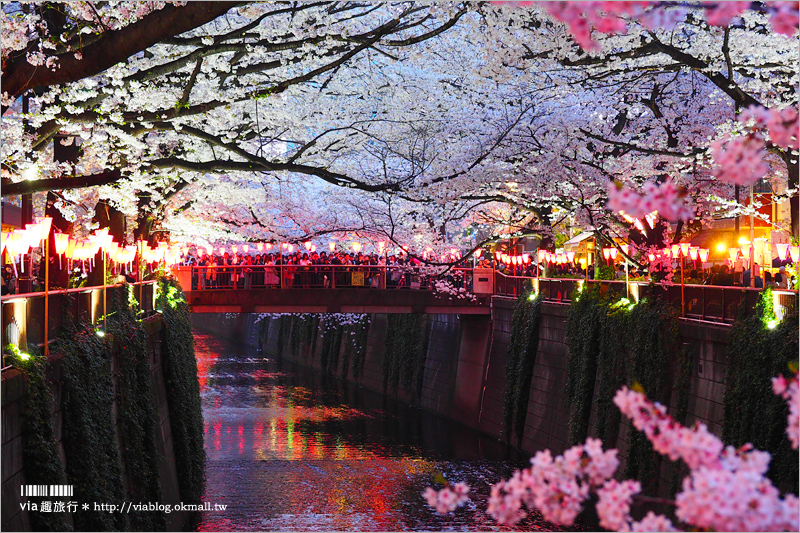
(406, 349)
(613, 343)
(331, 347)
(136, 415)
(183, 394)
(520, 358)
(40, 451)
(284, 325)
(355, 346)
(584, 323)
(612, 358)
(753, 413)
(90, 446)
(653, 334)
(605, 272)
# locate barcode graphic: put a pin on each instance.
(46, 490)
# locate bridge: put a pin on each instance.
(327, 289)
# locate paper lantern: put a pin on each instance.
(733, 254)
(794, 253)
(221, 250)
(676, 251)
(624, 248)
(526, 258)
(381, 246)
(685, 248)
(651, 257)
(245, 249)
(61, 242)
(746, 253)
(613, 253)
(606, 253)
(259, 247)
(234, 249)
(571, 256)
(693, 253)
(331, 246)
(307, 244)
(478, 252)
(357, 247)
(268, 246)
(45, 224)
(783, 250)
(70, 250)
(703, 254)
(18, 243)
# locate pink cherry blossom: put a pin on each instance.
(789, 392)
(784, 19)
(721, 13)
(667, 198)
(782, 124)
(448, 499)
(740, 160)
(653, 522)
(614, 503)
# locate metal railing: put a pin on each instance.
(700, 302)
(23, 314)
(248, 277)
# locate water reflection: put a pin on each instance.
(291, 450)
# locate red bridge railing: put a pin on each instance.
(700, 302)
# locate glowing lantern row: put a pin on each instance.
(523, 259)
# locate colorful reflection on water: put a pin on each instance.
(291, 450)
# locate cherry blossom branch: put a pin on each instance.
(115, 46)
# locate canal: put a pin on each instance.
(292, 450)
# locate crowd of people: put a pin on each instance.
(307, 269)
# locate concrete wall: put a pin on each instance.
(464, 375)
(13, 472)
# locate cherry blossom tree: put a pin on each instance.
(417, 121)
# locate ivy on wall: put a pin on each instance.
(614, 342)
(359, 345)
(331, 346)
(584, 324)
(40, 449)
(753, 414)
(92, 458)
(406, 346)
(653, 334)
(136, 415)
(520, 359)
(183, 391)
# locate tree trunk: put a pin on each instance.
(59, 276)
(792, 172)
(108, 217)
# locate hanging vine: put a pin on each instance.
(136, 415)
(520, 359)
(405, 351)
(356, 345)
(40, 450)
(759, 348)
(584, 323)
(90, 446)
(613, 343)
(183, 391)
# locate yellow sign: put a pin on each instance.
(358, 278)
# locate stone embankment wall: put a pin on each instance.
(464, 373)
(13, 393)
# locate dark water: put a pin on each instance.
(291, 450)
